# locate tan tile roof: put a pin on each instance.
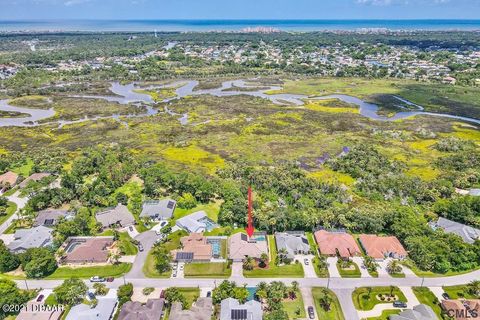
(88, 249)
(380, 247)
(9, 178)
(197, 244)
(239, 247)
(330, 243)
(34, 177)
(458, 310)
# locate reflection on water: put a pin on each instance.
(125, 94)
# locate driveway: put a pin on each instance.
(411, 297)
(20, 202)
(237, 270)
(308, 300)
(332, 267)
(437, 291)
(147, 239)
(359, 261)
(345, 298)
(382, 268)
(379, 308)
(308, 269)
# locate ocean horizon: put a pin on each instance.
(235, 25)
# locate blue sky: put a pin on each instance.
(239, 9)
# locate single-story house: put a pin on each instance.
(467, 233)
(419, 312)
(134, 310)
(104, 310)
(382, 247)
(202, 309)
(337, 243)
(119, 216)
(87, 249)
(293, 243)
(34, 177)
(8, 180)
(462, 309)
(240, 246)
(194, 248)
(197, 222)
(33, 311)
(231, 309)
(158, 209)
(49, 217)
(36, 237)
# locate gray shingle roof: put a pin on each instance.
(120, 214)
(152, 310)
(231, 309)
(49, 217)
(419, 312)
(292, 242)
(191, 222)
(103, 310)
(36, 237)
(158, 209)
(467, 233)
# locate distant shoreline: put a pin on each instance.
(15, 26)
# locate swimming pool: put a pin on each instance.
(252, 291)
(209, 224)
(216, 247)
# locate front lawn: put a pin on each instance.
(335, 312)
(293, 270)
(425, 296)
(397, 275)
(385, 315)
(191, 295)
(320, 267)
(151, 271)
(126, 245)
(11, 209)
(365, 301)
(295, 308)
(430, 274)
(354, 272)
(115, 270)
(207, 270)
(461, 291)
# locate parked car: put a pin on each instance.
(110, 279)
(181, 267)
(174, 275)
(91, 295)
(306, 261)
(162, 294)
(40, 298)
(97, 279)
(130, 228)
(209, 294)
(163, 224)
(158, 233)
(399, 304)
(140, 247)
(311, 313)
(445, 296)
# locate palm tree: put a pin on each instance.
(474, 287)
(391, 290)
(248, 263)
(325, 299)
(263, 260)
(370, 263)
(369, 292)
(394, 267)
(114, 257)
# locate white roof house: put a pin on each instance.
(293, 242)
(104, 309)
(120, 216)
(36, 237)
(419, 312)
(467, 233)
(196, 222)
(158, 209)
(231, 309)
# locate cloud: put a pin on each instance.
(75, 2)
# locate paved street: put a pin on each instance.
(147, 239)
(345, 298)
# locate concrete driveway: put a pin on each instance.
(309, 270)
(382, 268)
(308, 300)
(437, 291)
(147, 239)
(332, 267)
(363, 270)
(345, 298)
(237, 270)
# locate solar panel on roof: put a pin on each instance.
(48, 222)
(170, 204)
(184, 255)
(238, 314)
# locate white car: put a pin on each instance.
(97, 279)
(181, 267)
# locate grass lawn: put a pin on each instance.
(87, 272)
(397, 275)
(126, 245)
(335, 312)
(211, 209)
(320, 270)
(191, 295)
(12, 207)
(207, 270)
(363, 302)
(25, 169)
(346, 273)
(292, 306)
(425, 296)
(456, 292)
(430, 274)
(385, 315)
(293, 270)
(173, 243)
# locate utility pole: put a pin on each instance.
(26, 285)
(124, 281)
(423, 279)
